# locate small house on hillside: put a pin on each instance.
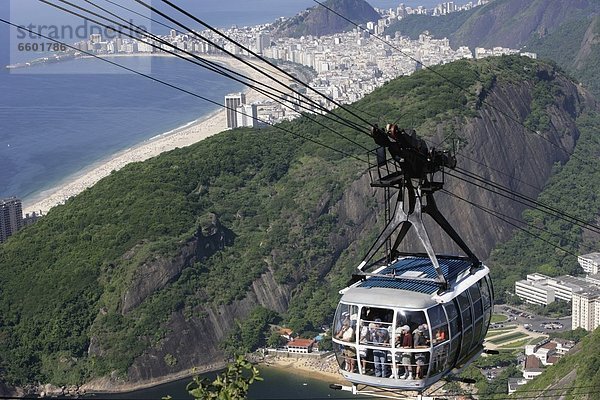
(286, 333)
(300, 346)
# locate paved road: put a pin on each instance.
(534, 320)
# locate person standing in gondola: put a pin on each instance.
(380, 337)
(406, 342)
(347, 334)
(420, 341)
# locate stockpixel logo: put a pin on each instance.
(54, 37)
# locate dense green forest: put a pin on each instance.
(582, 60)
(64, 279)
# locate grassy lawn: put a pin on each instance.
(508, 338)
(521, 343)
(495, 333)
(498, 318)
(514, 345)
(502, 330)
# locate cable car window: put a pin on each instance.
(411, 318)
(346, 356)
(345, 328)
(453, 318)
(439, 324)
(375, 330)
(437, 316)
(478, 309)
(439, 359)
(451, 311)
(421, 365)
(421, 340)
(487, 317)
(477, 333)
(454, 346)
(490, 287)
(376, 326)
(465, 308)
(485, 294)
(466, 344)
(477, 306)
(474, 292)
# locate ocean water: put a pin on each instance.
(54, 125)
(278, 384)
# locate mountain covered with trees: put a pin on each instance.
(183, 259)
(319, 20)
(567, 32)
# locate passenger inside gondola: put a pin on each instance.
(420, 341)
(405, 341)
(376, 325)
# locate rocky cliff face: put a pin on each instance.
(514, 157)
(511, 23)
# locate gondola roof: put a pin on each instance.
(403, 271)
(410, 281)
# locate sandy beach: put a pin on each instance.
(323, 369)
(184, 136)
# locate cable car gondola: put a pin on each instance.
(416, 317)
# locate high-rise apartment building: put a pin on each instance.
(11, 217)
(586, 310)
(246, 115)
(232, 102)
(263, 41)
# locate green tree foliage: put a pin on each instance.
(569, 48)
(251, 333)
(556, 309)
(275, 340)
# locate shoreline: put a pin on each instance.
(324, 370)
(182, 136)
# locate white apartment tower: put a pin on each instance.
(586, 310)
(246, 115)
(232, 102)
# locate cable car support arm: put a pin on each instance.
(411, 171)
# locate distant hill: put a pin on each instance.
(319, 21)
(567, 32)
(575, 46)
(506, 23)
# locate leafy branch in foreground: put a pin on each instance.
(233, 384)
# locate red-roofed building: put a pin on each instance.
(532, 367)
(300, 345)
